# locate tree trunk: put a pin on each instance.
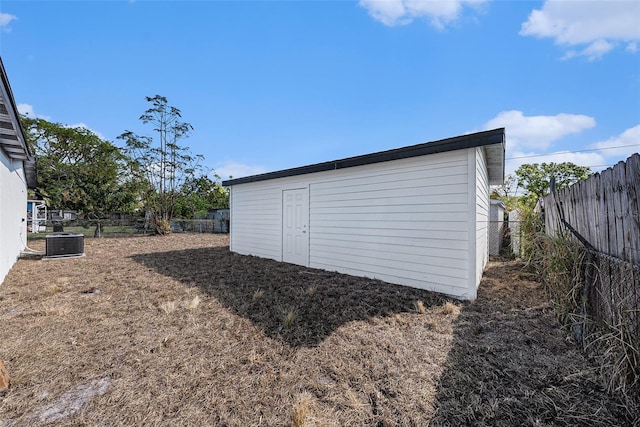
(161, 226)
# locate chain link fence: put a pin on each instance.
(200, 225)
(124, 226)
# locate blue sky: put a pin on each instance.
(269, 85)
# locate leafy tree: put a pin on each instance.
(536, 178)
(506, 192)
(162, 163)
(78, 170)
(199, 194)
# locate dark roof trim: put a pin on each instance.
(479, 139)
(20, 150)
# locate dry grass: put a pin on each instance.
(301, 409)
(168, 307)
(450, 308)
(177, 331)
(194, 303)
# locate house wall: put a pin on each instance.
(411, 221)
(402, 222)
(13, 206)
(256, 218)
(481, 216)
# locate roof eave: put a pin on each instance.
(479, 139)
(15, 142)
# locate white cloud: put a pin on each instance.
(29, 111)
(388, 12)
(538, 132)
(5, 20)
(26, 109)
(592, 27)
(594, 51)
(518, 158)
(402, 12)
(83, 125)
(606, 154)
(617, 147)
(237, 170)
(597, 49)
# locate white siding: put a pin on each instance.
(482, 215)
(256, 219)
(403, 221)
(13, 208)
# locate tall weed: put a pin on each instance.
(561, 264)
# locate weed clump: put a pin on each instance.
(289, 318)
(301, 409)
(168, 307)
(589, 300)
(193, 304)
(257, 295)
(450, 308)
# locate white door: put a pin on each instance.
(295, 221)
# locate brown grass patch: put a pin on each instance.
(301, 409)
(178, 331)
(193, 304)
(450, 308)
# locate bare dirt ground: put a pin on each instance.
(178, 331)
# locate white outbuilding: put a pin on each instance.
(415, 216)
(17, 173)
(496, 226)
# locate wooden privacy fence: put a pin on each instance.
(602, 212)
(603, 209)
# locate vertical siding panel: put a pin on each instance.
(633, 206)
(231, 221)
(602, 215)
(472, 223)
(619, 208)
(607, 180)
(481, 184)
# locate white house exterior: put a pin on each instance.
(415, 216)
(17, 173)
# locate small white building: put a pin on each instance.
(496, 226)
(17, 173)
(415, 216)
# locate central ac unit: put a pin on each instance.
(64, 245)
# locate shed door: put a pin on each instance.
(295, 219)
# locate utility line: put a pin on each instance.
(571, 152)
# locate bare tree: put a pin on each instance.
(161, 162)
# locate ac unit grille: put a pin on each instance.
(64, 245)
